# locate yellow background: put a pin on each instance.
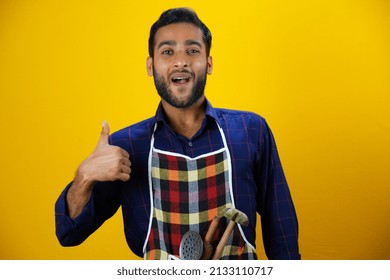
(318, 71)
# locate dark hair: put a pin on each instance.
(178, 15)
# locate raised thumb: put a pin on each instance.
(104, 133)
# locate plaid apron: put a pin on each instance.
(186, 194)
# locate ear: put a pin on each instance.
(149, 66)
(209, 65)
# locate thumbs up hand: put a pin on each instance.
(107, 162)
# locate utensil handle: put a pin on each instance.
(222, 243)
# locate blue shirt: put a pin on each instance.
(259, 184)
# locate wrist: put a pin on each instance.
(83, 181)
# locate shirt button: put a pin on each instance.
(190, 144)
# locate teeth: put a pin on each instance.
(180, 79)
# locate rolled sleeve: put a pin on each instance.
(103, 204)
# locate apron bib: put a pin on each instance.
(186, 194)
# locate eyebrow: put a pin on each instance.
(173, 43)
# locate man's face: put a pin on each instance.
(180, 64)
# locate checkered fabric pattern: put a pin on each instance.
(237, 249)
(188, 194)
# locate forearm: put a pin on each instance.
(102, 203)
(93, 196)
(78, 195)
(73, 231)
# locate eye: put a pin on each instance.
(193, 51)
(167, 52)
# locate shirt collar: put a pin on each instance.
(161, 116)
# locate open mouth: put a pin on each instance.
(181, 78)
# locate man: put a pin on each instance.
(177, 171)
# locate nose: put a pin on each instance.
(181, 60)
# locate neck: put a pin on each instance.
(185, 121)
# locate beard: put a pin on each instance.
(166, 93)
